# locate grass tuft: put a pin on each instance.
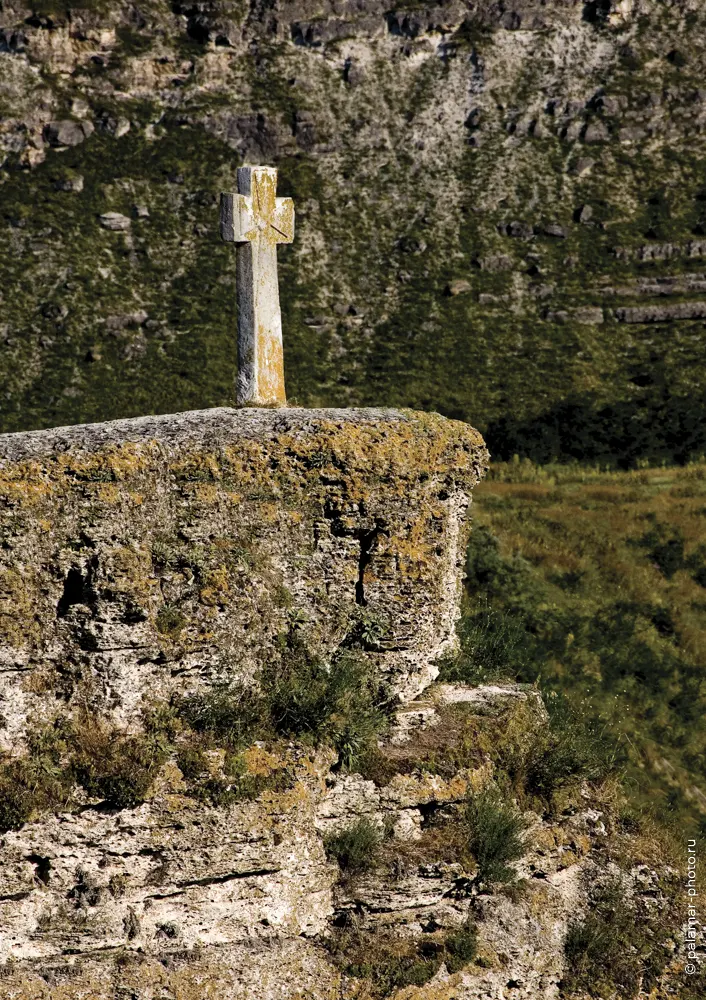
(355, 848)
(496, 836)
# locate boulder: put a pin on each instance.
(67, 133)
(115, 221)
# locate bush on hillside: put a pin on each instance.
(620, 947)
(355, 848)
(570, 749)
(495, 836)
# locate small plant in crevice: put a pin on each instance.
(496, 836)
(369, 630)
(355, 847)
(170, 621)
(461, 946)
(38, 780)
(117, 767)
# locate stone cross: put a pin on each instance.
(256, 220)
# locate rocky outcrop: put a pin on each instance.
(146, 557)
(188, 901)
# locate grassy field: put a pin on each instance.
(594, 583)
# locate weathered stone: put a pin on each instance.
(661, 314)
(67, 133)
(216, 877)
(516, 229)
(70, 182)
(458, 286)
(582, 166)
(632, 133)
(555, 230)
(258, 221)
(588, 315)
(340, 509)
(496, 262)
(596, 131)
(114, 221)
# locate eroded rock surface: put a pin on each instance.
(148, 560)
(161, 554)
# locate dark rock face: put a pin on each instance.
(421, 142)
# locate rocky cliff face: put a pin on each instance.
(500, 210)
(224, 769)
(150, 556)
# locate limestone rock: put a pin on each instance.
(661, 314)
(238, 520)
(115, 221)
(67, 133)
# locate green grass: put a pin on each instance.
(591, 584)
(355, 847)
(619, 947)
(496, 836)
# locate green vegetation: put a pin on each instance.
(355, 848)
(388, 962)
(591, 584)
(619, 947)
(509, 354)
(339, 704)
(496, 836)
(572, 748)
(110, 765)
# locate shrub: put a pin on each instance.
(355, 848)
(19, 796)
(117, 767)
(302, 696)
(486, 568)
(37, 780)
(461, 947)
(619, 947)
(339, 703)
(571, 748)
(231, 714)
(495, 836)
(389, 963)
(170, 621)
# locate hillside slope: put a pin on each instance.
(594, 585)
(501, 210)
